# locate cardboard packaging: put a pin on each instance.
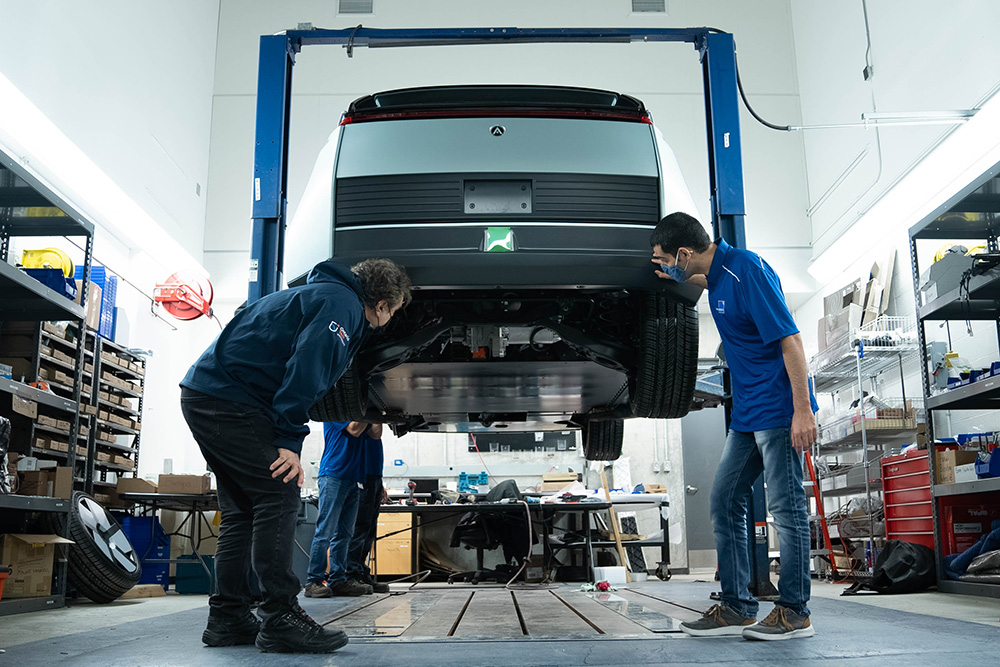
(93, 308)
(30, 559)
(135, 485)
(835, 303)
(947, 461)
(193, 484)
(51, 482)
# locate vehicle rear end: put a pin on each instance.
(523, 216)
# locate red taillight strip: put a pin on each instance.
(495, 113)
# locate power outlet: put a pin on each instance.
(665, 466)
(656, 466)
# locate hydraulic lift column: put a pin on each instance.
(718, 58)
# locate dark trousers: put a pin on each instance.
(365, 529)
(258, 512)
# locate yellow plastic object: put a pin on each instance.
(976, 250)
(48, 258)
(942, 251)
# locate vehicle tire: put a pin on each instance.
(662, 385)
(102, 563)
(347, 401)
(602, 440)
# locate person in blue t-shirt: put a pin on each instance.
(341, 479)
(366, 525)
(772, 424)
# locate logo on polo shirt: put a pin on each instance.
(341, 332)
(720, 307)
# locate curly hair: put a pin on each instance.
(383, 280)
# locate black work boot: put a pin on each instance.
(295, 632)
(379, 587)
(225, 631)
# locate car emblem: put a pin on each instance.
(497, 130)
(499, 239)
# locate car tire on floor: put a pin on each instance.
(102, 563)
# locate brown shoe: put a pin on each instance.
(350, 588)
(782, 623)
(314, 590)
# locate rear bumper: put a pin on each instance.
(584, 257)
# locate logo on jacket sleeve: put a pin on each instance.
(341, 333)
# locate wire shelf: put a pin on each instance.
(889, 340)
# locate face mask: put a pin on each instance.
(675, 272)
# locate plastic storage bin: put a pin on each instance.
(191, 578)
(108, 283)
(150, 542)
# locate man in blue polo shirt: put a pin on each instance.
(341, 478)
(366, 525)
(772, 424)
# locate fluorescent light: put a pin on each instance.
(961, 158)
(28, 134)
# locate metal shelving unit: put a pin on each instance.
(848, 364)
(24, 299)
(972, 214)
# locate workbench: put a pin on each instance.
(542, 514)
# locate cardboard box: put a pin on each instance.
(23, 406)
(30, 558)
(51, 482)
(947, 460)
(393, 555)
(123, 461)
(135, 485)
(104, 457)
(193, 484)
(93, 309)
(838, 301)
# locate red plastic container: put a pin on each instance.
(906, 489)
(4, 573)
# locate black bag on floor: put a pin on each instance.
(901, 567)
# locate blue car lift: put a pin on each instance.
(717, 51)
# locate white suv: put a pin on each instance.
(522, 215)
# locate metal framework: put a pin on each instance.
(717, 51)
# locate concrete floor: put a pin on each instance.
(918, 629)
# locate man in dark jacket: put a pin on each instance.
(246, 401)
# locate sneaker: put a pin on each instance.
(781, 623)
(350, 588)
(314, 590)
(225, 631)
(295, 632)
(718, 621)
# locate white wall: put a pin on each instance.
(926, 56)
(129, 85)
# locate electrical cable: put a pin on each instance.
(511, 586)
(488, 471)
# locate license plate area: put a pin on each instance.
(497, 197)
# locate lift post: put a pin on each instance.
(717, 51)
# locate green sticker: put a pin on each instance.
(499, 239)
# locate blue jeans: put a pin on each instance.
(745, 456)
(338, 509)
